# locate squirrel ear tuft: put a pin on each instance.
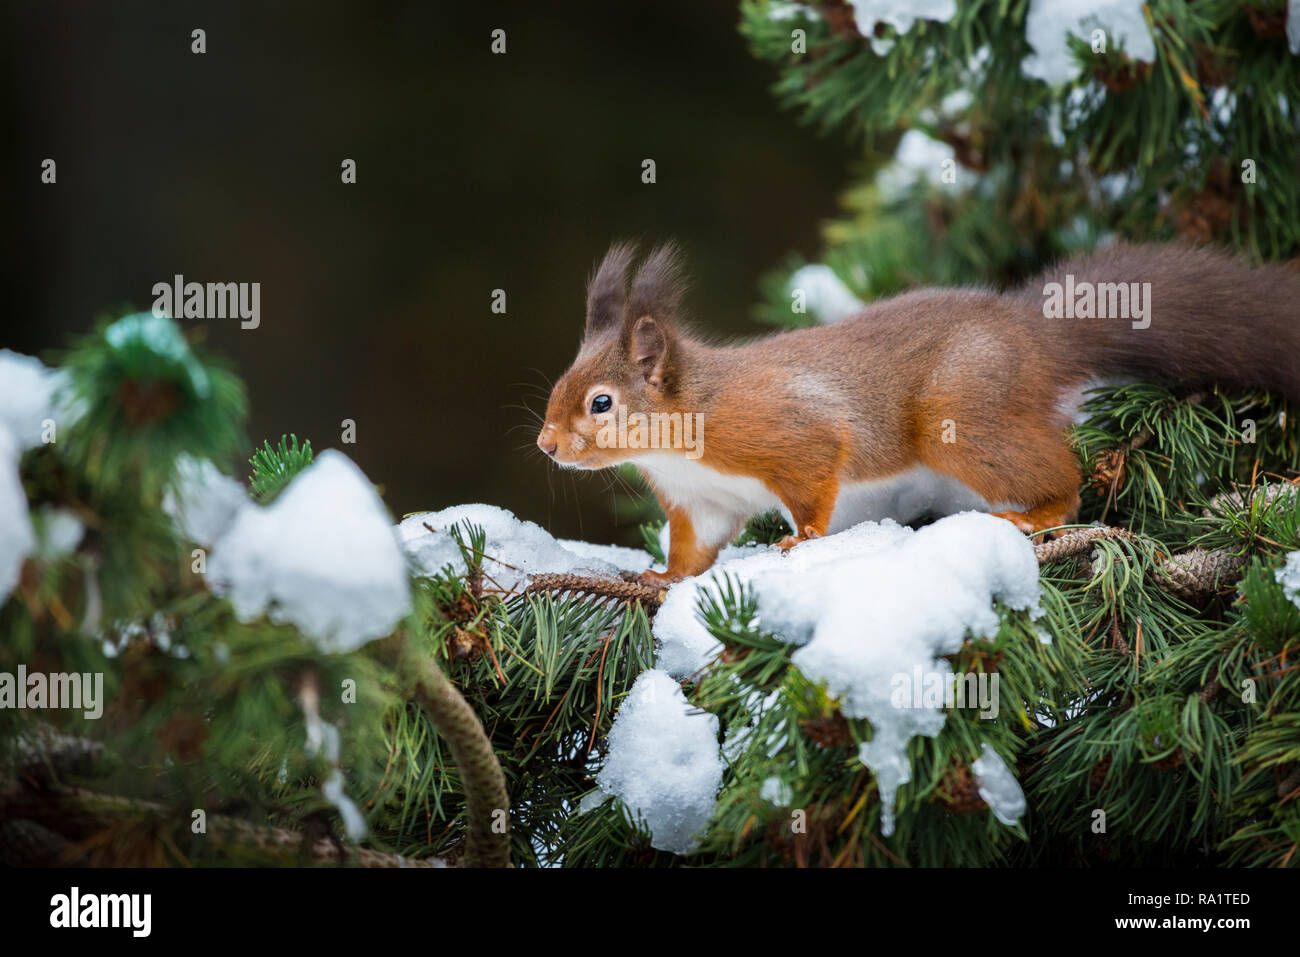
(607, 289)
(659, 286)
(649, 350)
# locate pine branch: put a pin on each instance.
(44, 815)
(486, 799)
(1188, 574)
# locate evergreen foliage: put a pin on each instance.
(1159, 686)
(274, 468)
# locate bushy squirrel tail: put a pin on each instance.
(1194, 315)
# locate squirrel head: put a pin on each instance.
(629, 362)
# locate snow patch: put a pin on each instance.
(16, 536)
(917, 155)
(58, 533)
(1288, 576)
(685, 645)
(899, 14)
(619, 556)
(322, 556)
(201, 500)
(1049, 22)
(663, 761)
(29, 393)
(825, 294)
(998, 787)
(515, 549)
(866, 605)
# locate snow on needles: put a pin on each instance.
(866, 606)
(1049, 22)
(827, 297)
(1288, 576)
(29, 393)
(998, 786)
(323, 556)
(899, 14)
(664, 762)
(201, 500)
(16, 536)
(515, 549)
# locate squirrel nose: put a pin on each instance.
(546, 443)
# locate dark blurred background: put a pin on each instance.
(474, 172)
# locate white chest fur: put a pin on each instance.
(718, 503)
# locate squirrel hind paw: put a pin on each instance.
(1038, 520)
(790, 541)
(658, 579)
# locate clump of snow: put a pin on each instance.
(917, 155)
(865, 606)
(784, 10)
(925, 595)
(998, 786)
(685, 645)
(322, 556)
(825, 294)
(1050, 21)
(899, 14)
(16, 536)
(157, 630)
(776, 792)
(58, 533)
(28, 394)
(1289, 577)
(201, 500)
(323, 737)
(592, 800)
(515, 549)
(619, 556)
(663, 762)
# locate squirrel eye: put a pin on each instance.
(601, 403)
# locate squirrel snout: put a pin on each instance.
(546, 441)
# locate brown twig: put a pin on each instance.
(650, 596)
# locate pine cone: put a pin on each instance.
(839, 17)
(183, 735)
(144, 403)
(1108, 470)
(25, 843)
(1205, 216)
(1124, 76)
(959, 791)
(1236, 498)
(1198, 572)
(1098, 776)
(1269, 22)
(1211, 68)
(1171, 762)
(462, 644)
(830, 731)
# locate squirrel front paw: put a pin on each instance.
(790, 541)
(658, 579)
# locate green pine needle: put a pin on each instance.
(274, 468)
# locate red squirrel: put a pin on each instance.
(939, 399)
